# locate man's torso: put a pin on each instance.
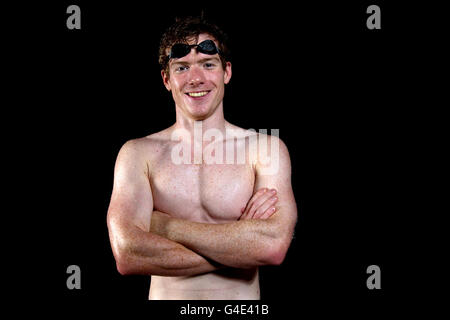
(210, 193)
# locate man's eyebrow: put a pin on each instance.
(186, 63)
(209, 59)
(183, 63)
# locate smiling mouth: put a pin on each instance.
(197, 94)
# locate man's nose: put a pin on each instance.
(195, 76)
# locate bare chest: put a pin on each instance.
(204, 193)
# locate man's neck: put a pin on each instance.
(215, 121)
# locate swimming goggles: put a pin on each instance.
(180, 50)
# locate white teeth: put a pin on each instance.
(197, 94)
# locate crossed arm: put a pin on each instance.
(254, 240)
(136, 249)
(176, 247)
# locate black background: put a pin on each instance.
(340, 94)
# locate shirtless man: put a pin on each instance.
(200, 229)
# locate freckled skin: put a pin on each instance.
(179, 222)
(211, 193)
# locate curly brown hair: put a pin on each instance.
(188, 28)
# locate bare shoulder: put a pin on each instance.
(270, 154)
(267, 152)
(259, 137)
(143, 150)
(234, 131)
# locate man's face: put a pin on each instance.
(197, 81)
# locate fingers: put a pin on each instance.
(261, 204)
(245, 211)
(250, 208)
(268, 213)
(267, 207)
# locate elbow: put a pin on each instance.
(122, 268)
(122, 249)
(128, 262)
(125, 268)
(278, 246)
(277, 258)
(275, 253)
(123, 257)
(123, 262)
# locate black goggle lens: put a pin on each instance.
(180, 50)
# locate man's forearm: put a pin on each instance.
(146, 253)
(240, 244)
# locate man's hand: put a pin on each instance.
(261, 205)
(261, 236)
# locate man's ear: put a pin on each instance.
(227, 74)
(165, 78)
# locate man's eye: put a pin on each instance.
(181, 68)
(209, 65)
